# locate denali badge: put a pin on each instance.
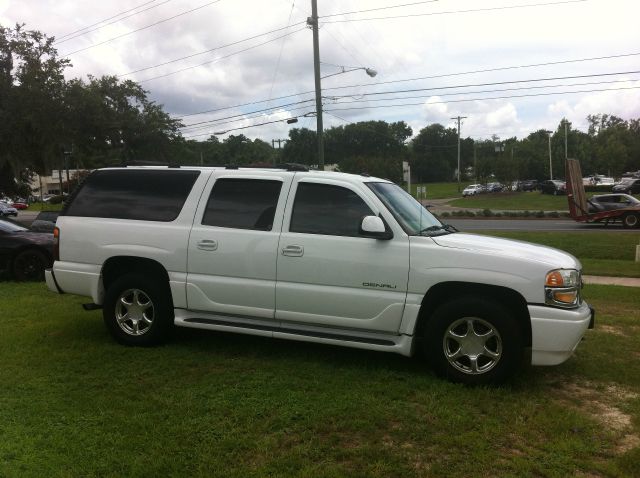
(375, 284)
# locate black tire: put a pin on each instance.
(495, 330)
(138, 310)
(29, 265)
(631, 220)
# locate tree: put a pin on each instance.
(31, 92)
(434, 153)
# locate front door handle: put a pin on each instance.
(208, 245)
(293, 251)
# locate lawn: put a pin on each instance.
(601, 253)
(441, 190)
(74, 403)
(520, 201)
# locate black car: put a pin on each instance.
(45, 221)
(628, 186)
(528, 185)
(553, 186)
(24, 254)
(611, 202)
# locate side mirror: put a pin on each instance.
(374, 227)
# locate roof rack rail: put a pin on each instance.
(231, 166)
(293, 167)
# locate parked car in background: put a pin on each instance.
(45, 221)
(597, 180)
(553, 186)
(628, 186)
(23, 253)
(528, 185)
(473, 189)
(494, 187)
(20, 204)
(6, 210)
(610, 202)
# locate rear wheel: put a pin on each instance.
(138, 310)
(631, 220)
(474, 341)
(29, 265)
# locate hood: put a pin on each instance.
(41, 238)
(555, 258)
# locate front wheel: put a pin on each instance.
(474, 341)
(138, 310)
(631, 220)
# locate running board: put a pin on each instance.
(401, 344)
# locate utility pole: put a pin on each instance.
(312, 21)
(475, 166)
(458, 118)
(550, 162)
(565, 140)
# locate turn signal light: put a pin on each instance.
(554, 279)
(56, 244)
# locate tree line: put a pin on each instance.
(48, 122)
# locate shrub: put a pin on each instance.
(540, 214)
(553, 214)
(445, 214)
(487, 213)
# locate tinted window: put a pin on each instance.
(330, 210)
(242, 204)
(133, 194)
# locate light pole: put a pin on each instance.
(459, 118)
(312, 21)
(550, 162)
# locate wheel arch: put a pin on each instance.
(448, 291)
(117, 266)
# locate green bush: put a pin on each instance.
(540, 214)
(487, 213)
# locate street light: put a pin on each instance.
(346, 69)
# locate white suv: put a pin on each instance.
(315, 256)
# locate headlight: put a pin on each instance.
(562, 288)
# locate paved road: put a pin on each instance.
(533, 225)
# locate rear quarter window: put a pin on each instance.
(156, 195)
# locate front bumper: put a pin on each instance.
(555, 333)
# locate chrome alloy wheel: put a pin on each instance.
(472, 345)
(134, 312)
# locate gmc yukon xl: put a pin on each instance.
(313, 256)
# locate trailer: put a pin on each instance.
(579, 204)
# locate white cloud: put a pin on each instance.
(400, 49)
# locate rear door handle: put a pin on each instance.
(293, 251)
(208, 245)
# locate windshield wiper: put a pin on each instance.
(442, 229)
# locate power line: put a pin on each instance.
(221, 58)
(250, 126)
(243, 116)
(491, 84)
(488, 70)
(88, 29)
(446, 75)
(273, 108)
(489, 98)
(209, 50)
(489, 91)
(142, 28)
(477, 10)
(379, 8)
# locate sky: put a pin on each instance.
(225, 66)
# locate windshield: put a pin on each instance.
(8, 226)
(412, 216)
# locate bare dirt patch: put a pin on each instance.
(602, 404)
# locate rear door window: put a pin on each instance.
(146, 195)
(242, 203)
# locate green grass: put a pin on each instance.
(441, 190)
(43, 206)
(601, 253)
(74, 403)
(521, 201)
